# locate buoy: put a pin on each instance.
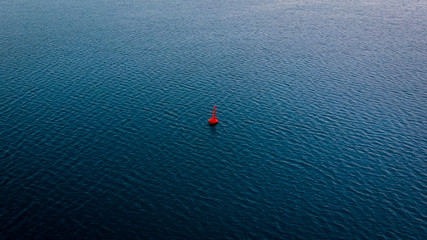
(213, 121)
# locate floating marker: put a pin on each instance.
(213, 121)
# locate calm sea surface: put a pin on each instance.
(322, 109)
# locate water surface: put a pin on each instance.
(104, 108)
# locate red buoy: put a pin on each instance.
(213, 121)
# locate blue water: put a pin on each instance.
(322, 109)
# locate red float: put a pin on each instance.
(213, 121)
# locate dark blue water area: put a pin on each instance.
(322, 109)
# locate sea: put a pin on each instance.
(322, 109)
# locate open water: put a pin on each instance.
(322, 109)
